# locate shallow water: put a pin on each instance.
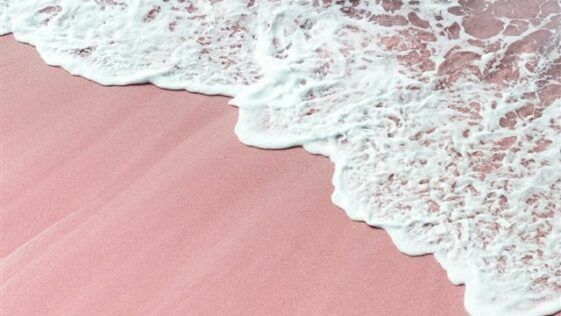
(442, 117)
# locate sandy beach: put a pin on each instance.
(137, 200)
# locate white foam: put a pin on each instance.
(449, 142)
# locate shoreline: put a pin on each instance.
(102, 166)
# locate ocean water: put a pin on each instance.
(443, 117)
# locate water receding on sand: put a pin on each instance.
(442, 117)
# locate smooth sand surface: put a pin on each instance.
(136, 200)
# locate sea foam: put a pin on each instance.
(442, 117)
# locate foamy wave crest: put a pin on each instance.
(443, 117)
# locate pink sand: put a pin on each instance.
(134, 200)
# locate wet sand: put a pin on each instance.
(135, 200)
